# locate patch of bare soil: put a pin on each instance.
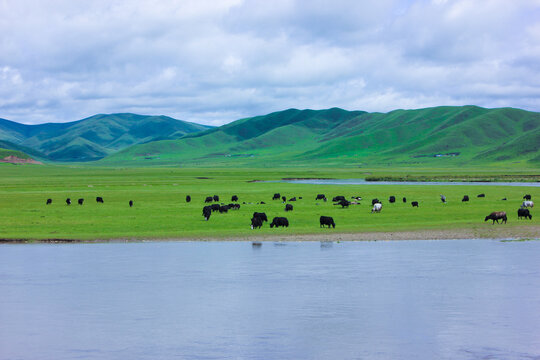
(17, 160)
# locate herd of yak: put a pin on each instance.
(259, 217)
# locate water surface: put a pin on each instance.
(457, 299)
(364, 182)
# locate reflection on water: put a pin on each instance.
(460, 299)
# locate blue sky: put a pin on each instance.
(215, 61)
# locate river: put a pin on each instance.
(444, 299)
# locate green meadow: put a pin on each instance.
(161, 212)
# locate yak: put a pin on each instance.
(327, 220)
(207, 211)
(414, 203)
(524, 213)
(261, 215)
(279, 221)
(288, 207)
(256, 222)
(496, 216)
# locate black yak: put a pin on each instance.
(262, 216)
(327, 220)
(524, 213)
(256, 222)
(279, 221)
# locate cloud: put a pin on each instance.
(217, 61)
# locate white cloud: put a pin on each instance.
(217, 61)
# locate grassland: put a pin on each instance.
(161, 212)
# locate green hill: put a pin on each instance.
(94, 137)
(451, 136)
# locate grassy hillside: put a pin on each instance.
(440, 136)
(7, 152)
(95, 137)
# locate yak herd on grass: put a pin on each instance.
(259, 218)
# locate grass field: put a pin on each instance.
(160, 209)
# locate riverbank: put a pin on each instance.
(501, 232)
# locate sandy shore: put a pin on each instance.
(484, 232)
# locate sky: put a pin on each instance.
(216, 61)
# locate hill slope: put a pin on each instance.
(94, 137)
(441, 135)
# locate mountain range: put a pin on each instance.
(92, 138)
(440, 135)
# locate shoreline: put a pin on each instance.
(495, 233)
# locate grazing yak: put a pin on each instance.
(234, 198)
(130, 203)
(392, 199)
(338, 198)
(208, 199)
(68, 201)
(188, 198)
(207, 211)
(99, 199)
(375, 201)
(279, 221)
(261, 215)
(256, 222)
(344, 203)
(276, 196)
(327, 220)
(49, 201)
(292, 199)
(465, 198)
(443, 198)
(214, 207)
(283, 198)
(404, 199)
(414, 203)
(320, 197)
(216, 198)
(527, 203)
(80, 201)
(481, 195)
(234, 206)
(376, 208)
(524, 213)
(496, 216)
(527, 197)
(288, 207)
(223, 209)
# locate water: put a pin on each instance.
(364, 182)
(457, 299)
